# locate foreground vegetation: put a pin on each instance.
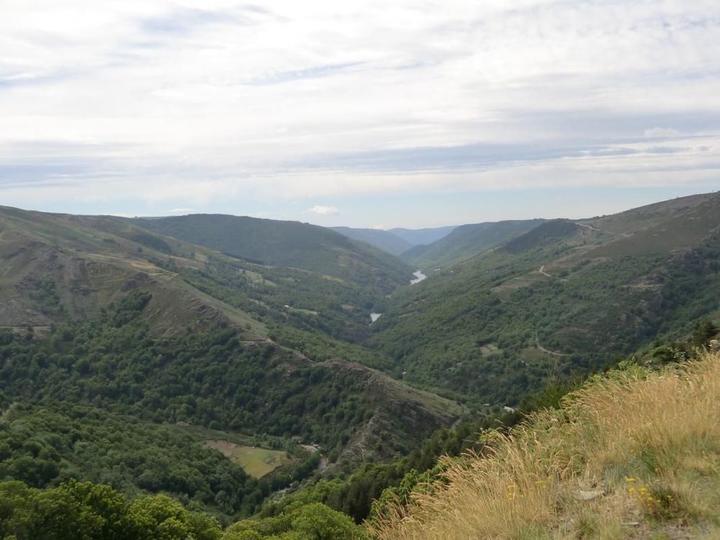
(86, 511)
(632, 455)
(44, 446)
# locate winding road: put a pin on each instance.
(547, 351)
(542, 271)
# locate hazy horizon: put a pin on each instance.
(377, 114)
(186, 212)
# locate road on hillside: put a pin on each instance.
(547, 351)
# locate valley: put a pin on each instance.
(588, 291)
(256, 366)
(381, 270)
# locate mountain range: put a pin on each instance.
(228, 338)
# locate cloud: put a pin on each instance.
(324, 210)
(312, 72)
(658, 132)
(183, 21)
(162, 104)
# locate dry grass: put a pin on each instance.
(632, 455)
(257, 462)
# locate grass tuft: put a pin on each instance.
(634, 454)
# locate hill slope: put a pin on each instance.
(384, 240)
(219, 380)
(563, 299)
(288, 244)
(466, 241)
(428, 235)
(98, 312)
(632, 455)
(58, 267)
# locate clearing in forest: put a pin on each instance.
(257, 462)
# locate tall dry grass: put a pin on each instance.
(632, 455)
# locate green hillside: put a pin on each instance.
(50, 444)
(287, 244)
(125, 325)
(58, 267)
(246, 387)
(464, 242)
(417, 237)
(564, 299)
(630, 455)
(384, 240)
(213, 379)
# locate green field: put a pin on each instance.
(257, 462)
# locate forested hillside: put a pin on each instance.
(466, 241)
(106, 324)
(288, 244)
(564, 299)
(214, 379)
(385, 240)
(59, 267)
(426, 236)
(247, 387)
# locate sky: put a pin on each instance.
(368, 113)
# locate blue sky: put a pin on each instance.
(372, 113)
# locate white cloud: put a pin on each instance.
(659, 132)
(324, 210)
(188, 103)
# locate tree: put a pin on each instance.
(163, 518)
(87, 511)
(703, 333)
(314, 521)
(319, 522)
